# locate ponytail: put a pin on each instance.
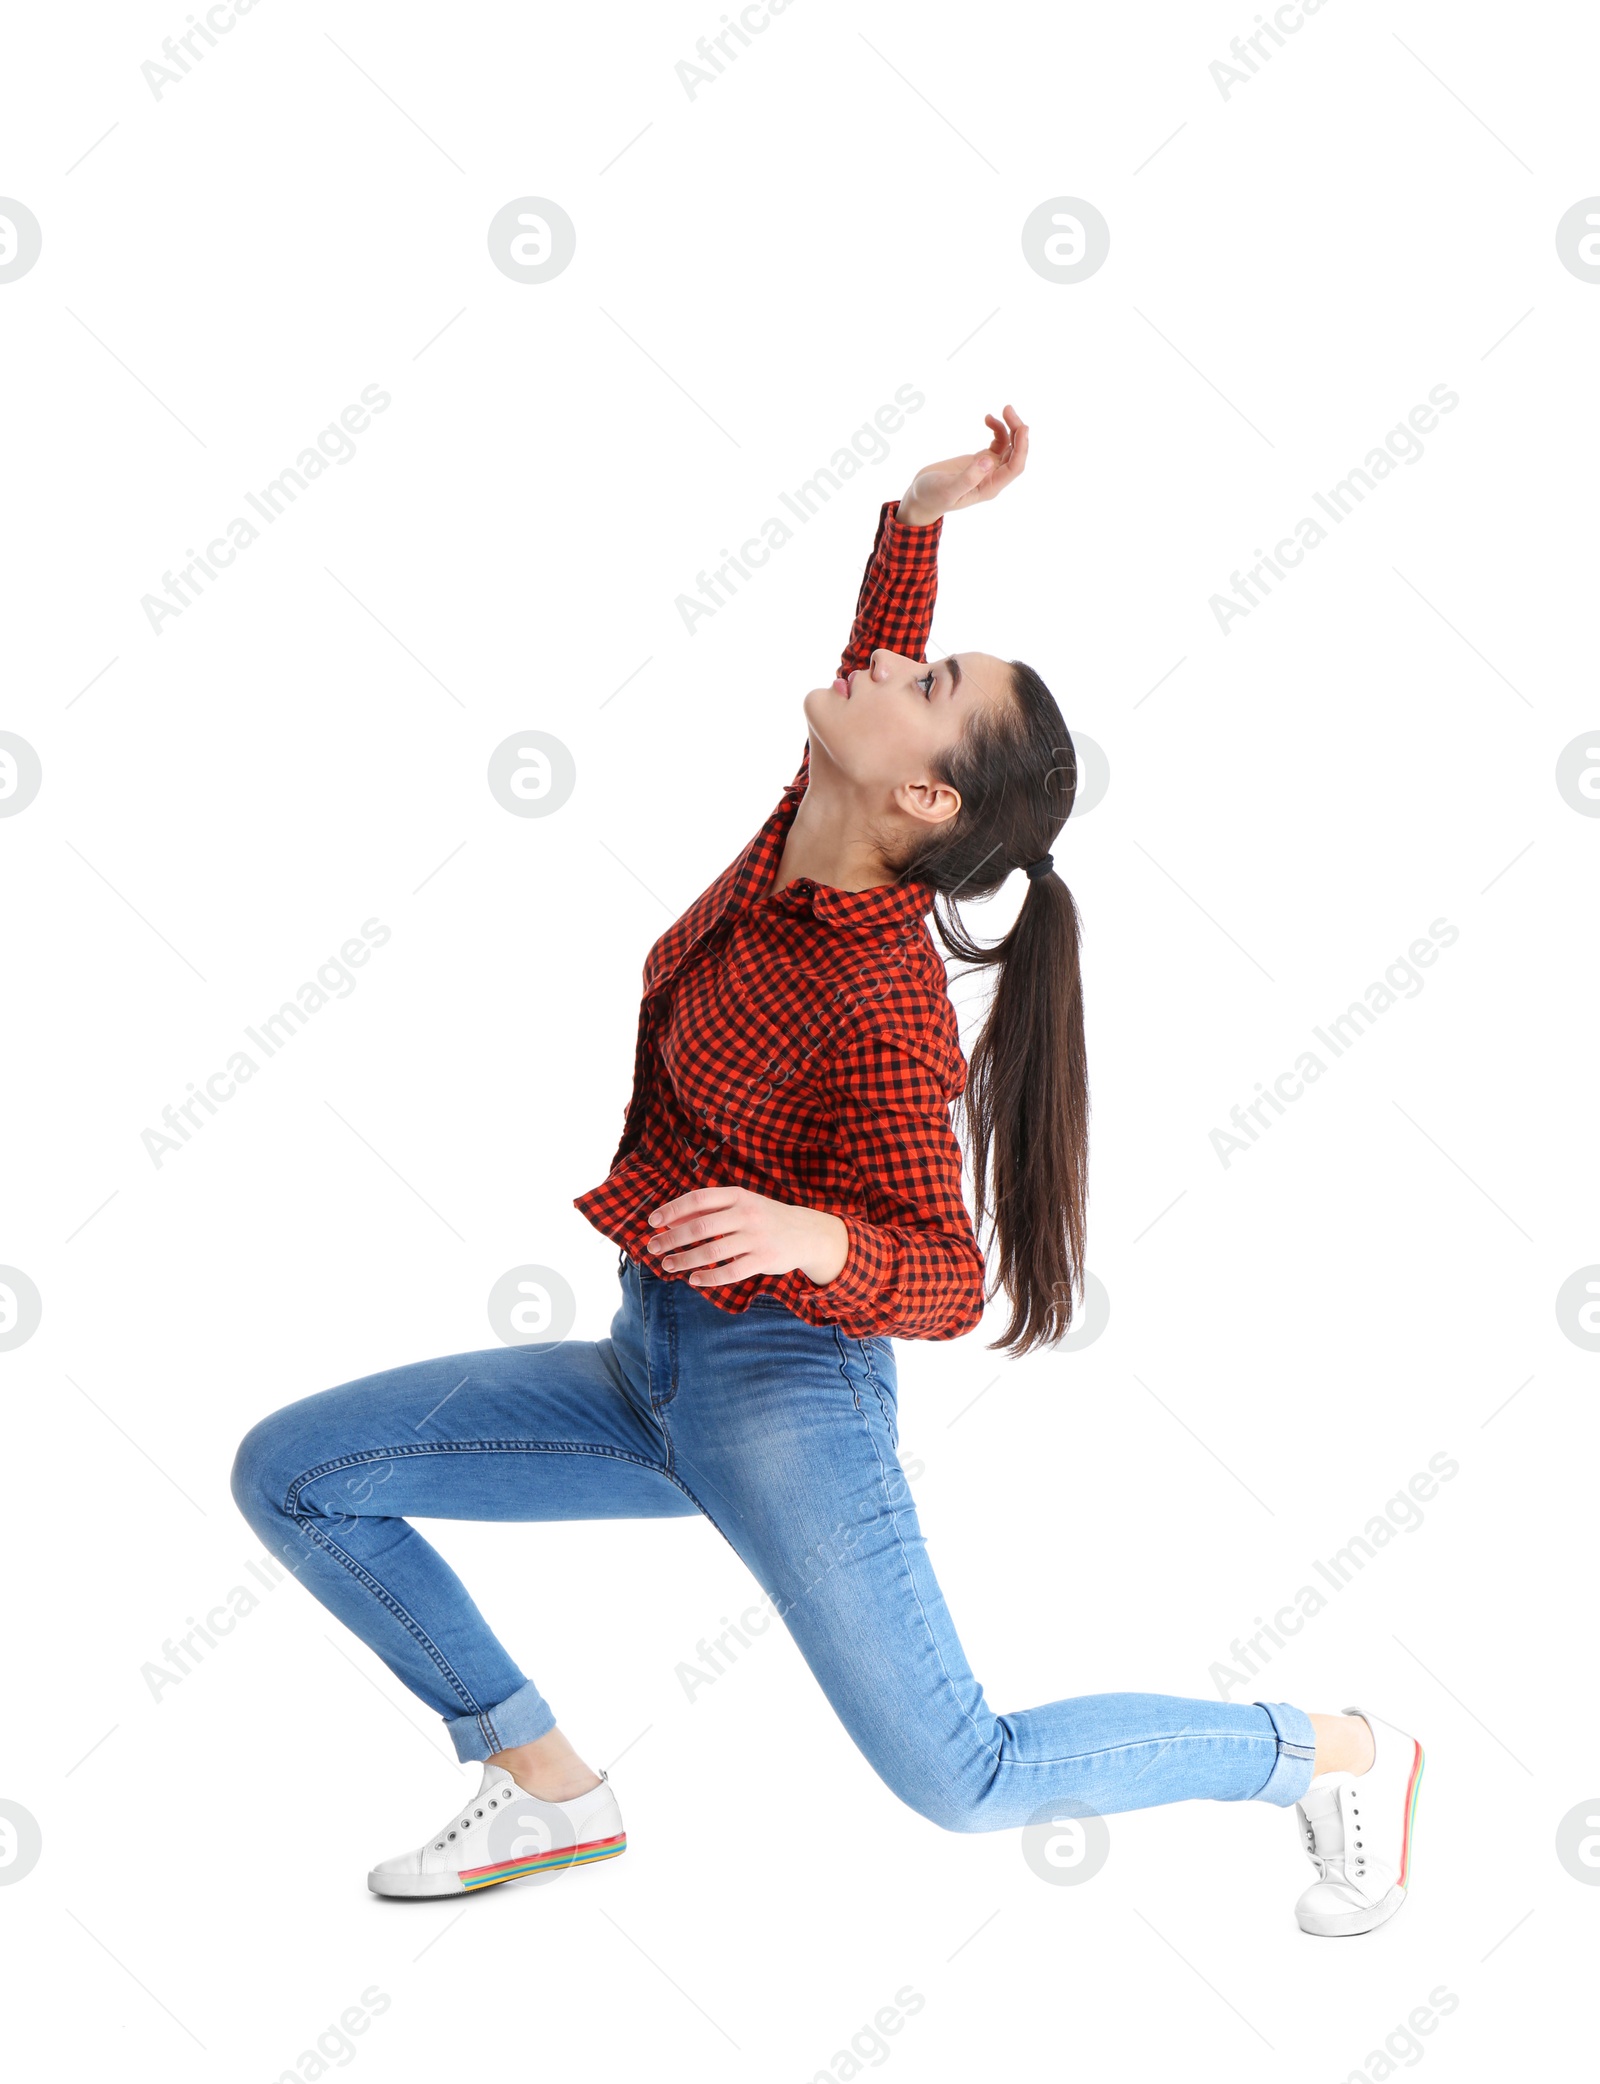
(1026, 1103)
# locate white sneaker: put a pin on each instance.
(506, 1834)
(1356, 1828)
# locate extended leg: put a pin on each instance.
(797, 1466)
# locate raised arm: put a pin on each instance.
(894, 611)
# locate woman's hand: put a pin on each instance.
(729, 1235)
(962, 481)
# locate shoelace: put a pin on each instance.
(1332, 1866)
(466, 1822)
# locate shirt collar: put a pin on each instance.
(895, 904)
(855, 911)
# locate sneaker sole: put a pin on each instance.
(1346, 1924)
(1418, 1766)
(474, 1879)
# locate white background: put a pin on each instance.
(1291, 1335)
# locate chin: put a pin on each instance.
(823, 742)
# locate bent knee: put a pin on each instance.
(954, 1805)
(261, 1475)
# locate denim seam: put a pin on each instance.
(1287, 1747)
(671, 1314)
(483, 1719)
(661, 1309)
(1291, 1747)
(635, 1274)
(381, 1592)
(1178, 1736)
(890, 1416)
(386, 1598)
(710, 1517)
(412, 1448)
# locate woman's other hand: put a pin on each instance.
(728, 1234)
(962, 481)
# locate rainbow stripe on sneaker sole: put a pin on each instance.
(558, 1858)
(1412, 1792)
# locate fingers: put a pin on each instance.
(700, 1231)
(702, 1201)
(743, 1268)
(1010, 446)
(701, 1255)
(981, 476)
(705, 1213)
(690, 1232)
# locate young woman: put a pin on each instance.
(787, 1197)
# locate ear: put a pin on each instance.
(928, 802)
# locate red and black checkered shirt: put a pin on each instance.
(801, 1043)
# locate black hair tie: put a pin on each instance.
(1040, 868)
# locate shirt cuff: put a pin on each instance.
(859, 1284)
(927, 536)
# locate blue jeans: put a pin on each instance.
(783, 1434)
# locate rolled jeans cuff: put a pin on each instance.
(522, 1719)
(1297, 1751)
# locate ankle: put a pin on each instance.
(548, 1768)
(550, 1787)
(1344, 1745)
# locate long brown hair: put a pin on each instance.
(1027, 1095)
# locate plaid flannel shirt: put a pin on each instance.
(801, 1043)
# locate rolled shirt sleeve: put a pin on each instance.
(913, 1269)
(894, 611)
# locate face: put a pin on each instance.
(885, 727)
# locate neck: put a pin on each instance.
(829, 840)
